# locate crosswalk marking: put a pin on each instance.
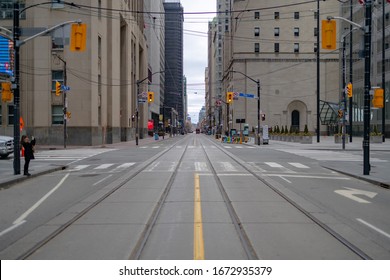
(281, 167)
(298, 165)
(78, 168)
(328, 155)
(124, 166)
(201, 166)
(104, 166)
(227, 166)
(68, 155)
(100, 167)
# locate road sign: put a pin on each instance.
(65, 87)
(246, 95)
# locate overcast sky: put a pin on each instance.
(195, 51)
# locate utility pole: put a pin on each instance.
(350, 73)
(16, 89)
(367, 87)
(383, 72)
(318, 71)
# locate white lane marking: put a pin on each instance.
(351, 194)
(374, 228)
(307, 176)
(104, 166)
(288, 181)
(11, 228)
(105, 178)
(39, 202)
(298, 165)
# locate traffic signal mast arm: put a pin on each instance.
(347, 20)
(22, 42)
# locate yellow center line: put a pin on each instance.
(198, 225)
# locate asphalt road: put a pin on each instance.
(192, 197)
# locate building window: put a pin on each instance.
(296, 47)
(257, 15)
(257, 47)
(277, 15)
(276, 46)
(315, 15)
(257, 31)
(1, 114)
(56, 76)
(296, 15)
(57, 4)
(277, 31)
(315, 32)
(296, 31)
(10, 114)
(57, 114)
(315, 47)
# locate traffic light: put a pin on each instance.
(229, 97)
(150, 96)
(58, 88)
(377, 101)
(348, 89)
(263, 117)
(78, 37)
(68, 115)
(6, 94)
(329, 34)
(340, 113)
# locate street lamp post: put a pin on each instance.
(16, 81)
(139, 82)
(367, 87)
(258, 102)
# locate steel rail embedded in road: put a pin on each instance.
(118, 184)
(245, 241)
(333, 233)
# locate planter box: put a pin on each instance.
(306, 139)
(376, 139)
(339, 138)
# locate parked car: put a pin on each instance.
(6, 146)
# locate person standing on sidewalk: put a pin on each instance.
(28, 152)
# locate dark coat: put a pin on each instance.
(28, 149)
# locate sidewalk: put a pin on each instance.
(8, 178)
(380, 169)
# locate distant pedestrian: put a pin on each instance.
(28, 152)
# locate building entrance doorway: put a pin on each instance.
(295, 120)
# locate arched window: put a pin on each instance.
(295, 120)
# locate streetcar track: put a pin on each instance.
(244, 239)
(138, 249)
(120, 182)
(325, 227)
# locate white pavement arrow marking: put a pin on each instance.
(351, 194)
